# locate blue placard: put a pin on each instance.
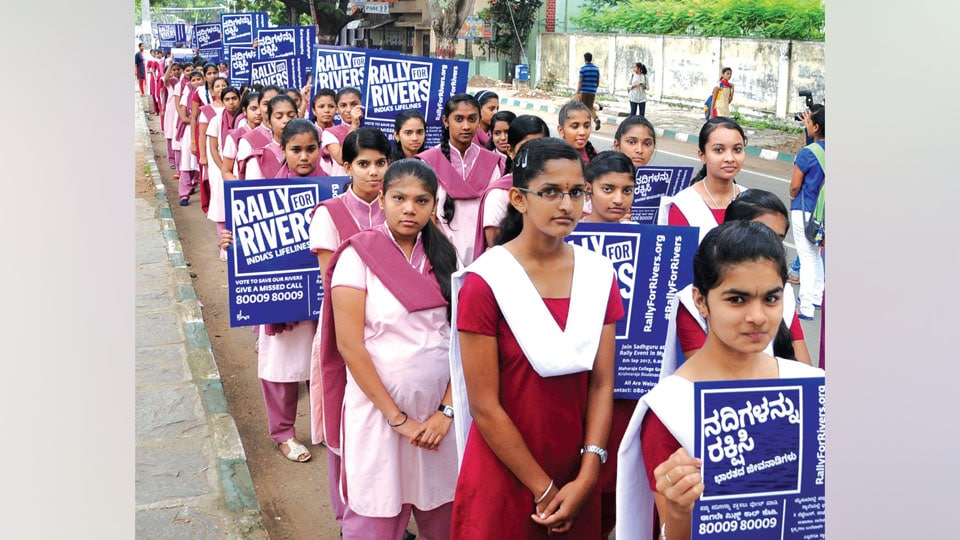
(277, 42)
(171, 35)
(238, 29)
(283, 72)
(391, 82)
(212, 55)
(208, 36)
(272, 276)
(654, 182)
(652, 263)
(763, 444)
(294, 42)
(182, 54)
(240, 59)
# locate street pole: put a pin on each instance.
(145, 22)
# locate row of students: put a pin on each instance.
(461, 133)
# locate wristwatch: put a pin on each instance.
(446, 410)
(592, 448)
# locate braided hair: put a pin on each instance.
(449, 207)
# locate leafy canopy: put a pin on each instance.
(801, 20)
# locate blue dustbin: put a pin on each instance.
(521, 72)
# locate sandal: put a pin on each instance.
(298, 452)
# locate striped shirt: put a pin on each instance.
(590, 78)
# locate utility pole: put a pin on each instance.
(145, 22)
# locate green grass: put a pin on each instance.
(759, 123)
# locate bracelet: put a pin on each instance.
(544, 496)
(402, 422)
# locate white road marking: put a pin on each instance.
(785, 181)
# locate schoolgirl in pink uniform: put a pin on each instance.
(489, 103)
(351, 115)
(284, 349)
(386, 376)
(324, 107)
(252, 142)
(409, 134)
(208, 113)
(188, 167)
(217, 130)
(249, 119)
(266, 156)
(465, 170)
(365, 153)
(171, 80)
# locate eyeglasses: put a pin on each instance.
(554, 195)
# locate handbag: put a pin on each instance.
(813, 227)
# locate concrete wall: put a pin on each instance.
(766, 73)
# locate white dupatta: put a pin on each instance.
(672, 401)
(693, 207)
(550, 350)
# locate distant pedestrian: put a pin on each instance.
(587, 85)
(808, 180)
(723, 94)
(638, 90)
(140, 68)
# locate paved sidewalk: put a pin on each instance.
(191, 472)
(672, 121)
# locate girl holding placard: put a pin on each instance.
(739, 273)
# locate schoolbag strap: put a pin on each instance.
(818, 153)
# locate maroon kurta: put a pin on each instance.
(549, 412)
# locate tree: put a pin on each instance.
(512, 20)
(447, 17)
(331, 15)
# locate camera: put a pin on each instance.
(809, 102)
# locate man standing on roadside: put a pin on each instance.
(587, 85)
(141, 68)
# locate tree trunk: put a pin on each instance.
(447, 17)
(446, 47)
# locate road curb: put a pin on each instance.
(236, 486)
(756, 151)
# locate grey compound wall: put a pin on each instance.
(766, 73)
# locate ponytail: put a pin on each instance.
(783, 342)
(701, 174)
(449, 206)
(443, 258)
(590, 150)
(510, 226)
(438, 249)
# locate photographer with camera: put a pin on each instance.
(805, 186)
(793, 273)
